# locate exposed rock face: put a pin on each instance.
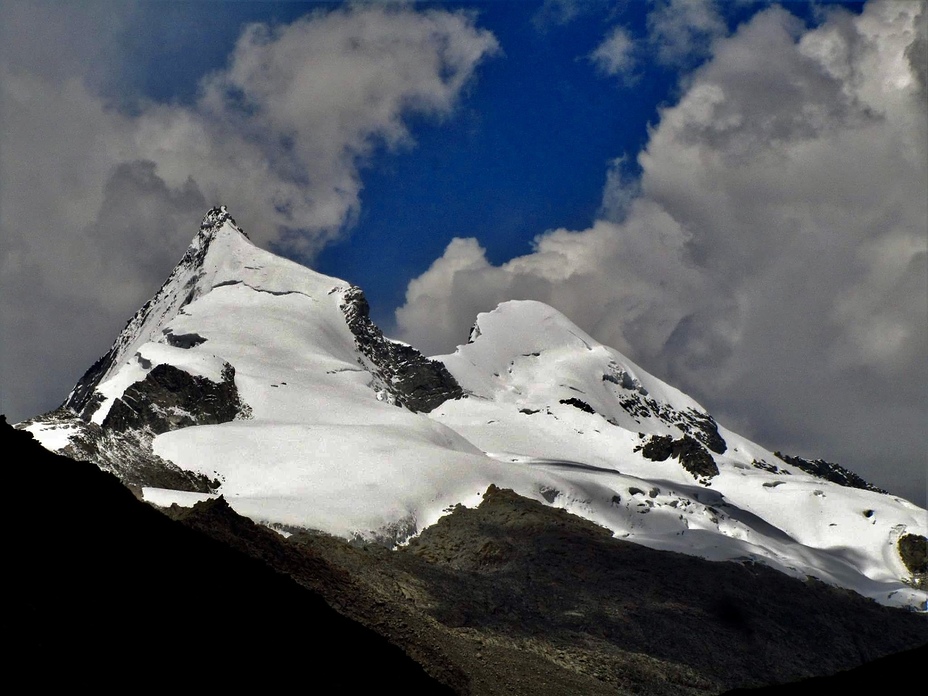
(127, 455)
(81, 398)
(703, 427)
(764, 465)
(169, 398)
(690, 453)
(913, 550)
(830, 472)
(402, 372)
(697, 424)
(185, 341)
(189, 265)
(578, 403)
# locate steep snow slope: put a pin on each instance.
(264, 381)
(545, 393)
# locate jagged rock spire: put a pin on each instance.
(180, 288)
(214, 219)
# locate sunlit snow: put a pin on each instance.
(549, 412)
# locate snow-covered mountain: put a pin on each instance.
(253, 377)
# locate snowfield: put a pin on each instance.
(548, 412)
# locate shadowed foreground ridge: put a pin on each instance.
(515, 597)
(512, 597)
(109, 591)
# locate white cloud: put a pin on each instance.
(774, 263)
(682, 30)
(614, 56)
(620, 191)
(93, 197)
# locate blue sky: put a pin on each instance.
(729, 193)
(509, 164)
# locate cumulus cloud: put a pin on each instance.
(774, 262)
(614, 56)
(621, 190)
(682, 30)
(94, 197)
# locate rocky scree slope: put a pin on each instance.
(516, 597)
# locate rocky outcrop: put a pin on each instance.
(401, 372)
(913, 550)
(692, 455)
(578, 404)
(80, 400)
(693, 423)
(169, 398)
(829, 472)
(127, 455)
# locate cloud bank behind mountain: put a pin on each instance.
(771, 258)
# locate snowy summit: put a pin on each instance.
(250, 376)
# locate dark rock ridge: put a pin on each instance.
(913, 550)
(111, 592)
(690, 453)
(829, 471)
(578, 403)
(82, 394)
(411, 379)
(691, 422)
(169, 398)
(764, 465)
(127, 455)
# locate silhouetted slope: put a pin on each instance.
(108, 591)
(901, 672)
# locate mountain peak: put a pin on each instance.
(214, 219)
(194, 275)
(254, 376)
(522, 325)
